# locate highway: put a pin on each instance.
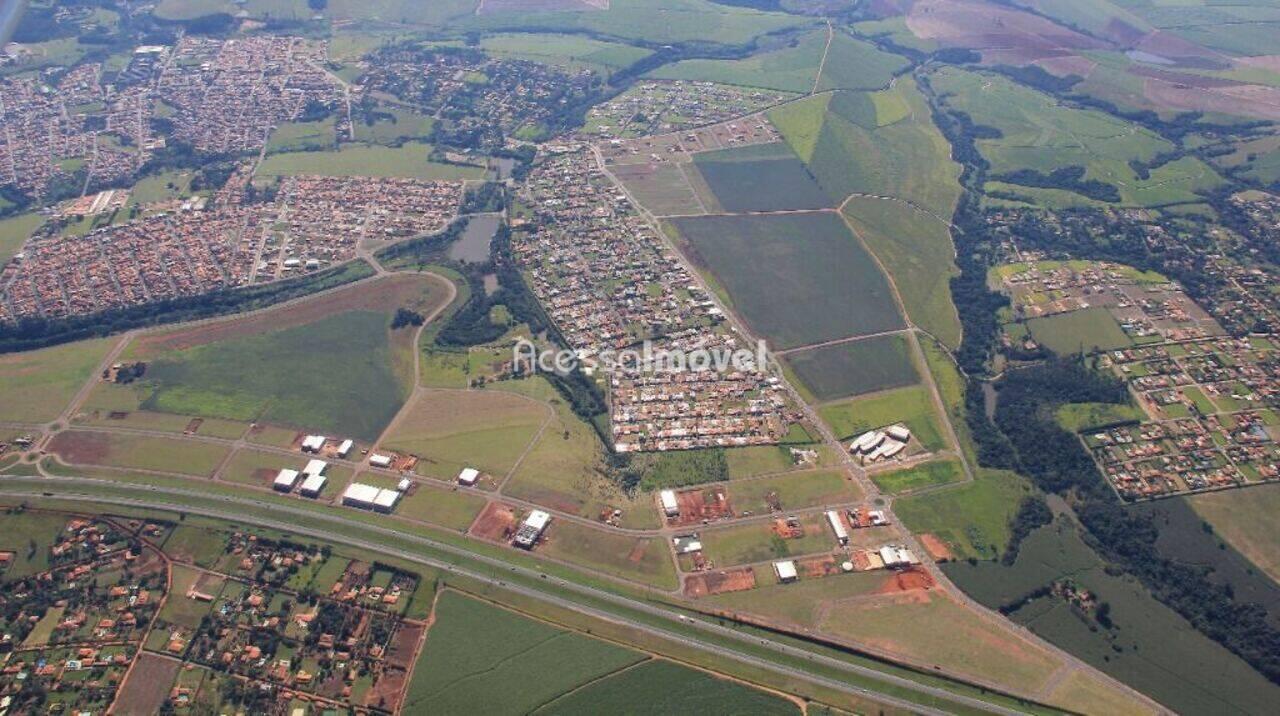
(171, 499)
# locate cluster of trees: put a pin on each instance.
(406, 317)
(1070, 178)
(1032, 514)
(484, 198)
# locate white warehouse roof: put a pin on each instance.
(315, 467)
(468, 476)
(313, 485)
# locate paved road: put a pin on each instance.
(164, 499)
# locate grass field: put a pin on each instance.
(450, 430)
(916, 249)
(858, 65)
(411, 160)
(973, 519)
(756, 542)
(477, 653)
(331, 364)
(929, 474)
(797, 279)
(766, 177)
(14, 232)
(1085, 330)
(788, 69)
(399, 125)
(29, 535)
(640, 559)
(1078, 417)
(1246, 520)
(572, 51)
(795, 492)
(445, 508)
(139, 452)
(297, 136)
(845, 369)
(911, 406)
(658, 687)
(38, 385)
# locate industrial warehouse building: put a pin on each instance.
(468, 476)
(531, 529)
(368, 497)
(670, 507)
(285, 480)
(313, 485)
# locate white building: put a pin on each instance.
(866, 442)
(313, 485)
(312, 443)
(898, 432)
(468, 476)
(531, 529)
(895, 556)
(359, 495)
(404, 485)
(786, 571)
(670, 506)
(380, 460)
(315, 467)
(344, 448)
(285, 480)
(837, 526)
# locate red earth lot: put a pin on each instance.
(719, 582)
(496, 522)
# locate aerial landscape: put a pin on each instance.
(639, 356)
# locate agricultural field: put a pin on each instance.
(854, 64)
(410, 161)
(1085, 330)
(1148, 645)
(450, 430)
(766, 177)
(664, 188)
(140, 452)
(911, 406)
(327, 364)
(658, 687)
(917, 477)
(784, 273)
(1246, 520)
(571, 51)
(37, 385)
(793, 68)
(853, 368)
(915, 249)
(972, 519)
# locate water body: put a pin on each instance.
(473, 246)
(11, 12)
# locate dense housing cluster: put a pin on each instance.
(657, 107)
(609, 282)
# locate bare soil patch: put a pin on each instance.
(937, 549)
(147, 687)
(496, 522)
(719, 582)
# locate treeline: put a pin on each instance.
(1069, 178)
(32, 333)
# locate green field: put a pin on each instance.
(409, 161)
(929, 474)
(14, 232)
(396, 126)
(1085, 330)
(659, 687)
(756, 542)
(1246, 520)
(916, 249)
(766, 177)
(451, 430)
(911, 406)
(29, 535)
(140, 452)
(797, 279)
(640, 559)
(795, 492)
(298, 136)
(571, 51)
(789, 69)
(1079, 417)
(1150, 647)
(845, 369)
(477, 653)
(973, 519)
(38, 385)
(857, 65)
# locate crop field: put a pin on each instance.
(140, 452)
(1150, 646)
(450, 430)
(766, 177)
(797, 279)
(911, 406)
(410, 161)
(654, 21)
(663, 189)
(854, 368)
(479, 653)
(928, 474)
(14, 232)
(1246, 520)
(792, 492)
(790, 69)
(972, 519)
(640, 559)
(756, 542)
(331, 364)
(38, 385)
(658, 687)
(565, 50)
(908, 159)
(916, 249)
(857, 65)
(1084, 330)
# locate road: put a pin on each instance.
(165, 499)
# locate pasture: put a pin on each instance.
(1086, 330)
(787, 69)
(972, 519)
(640, 559)
(1079, 417)
(14, 232)
(1246, 520)
(392, 125)
(572, 51)
(796, 279)
(844, 369)
(411, 161)
(766, 177)
(445, 508)
(300, 136)
(916, 477)
(476, 653)
(37, 385)
(857, 65)
(756, 542)
(793, 492)
(911, 406)
(450, 430)
(29, 535)
(140, 452)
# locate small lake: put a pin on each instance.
(473, 246)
